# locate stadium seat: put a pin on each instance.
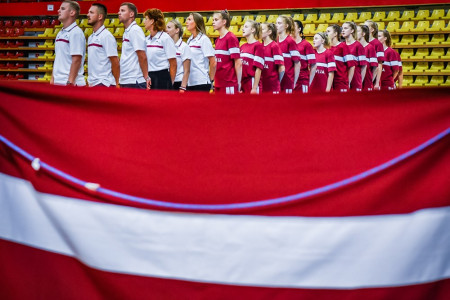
(119, 32)
(447, 82)
(321, 28)
(436, 66)
(351, 17)
(364, 16)
(447, 56)
(49, 54)
(107, 23)
(242, 42)
(422, 26)
(406, 27)
(272, 18)
(260, 18)
(210, 21)
(235, 30)
(88, 31)
(421, 53)
(246, 18)
(45, 23)
(311, 18)
(421, 39)
(26, 23)
(407, 66)
(421, 80)
(422, 15)
(381, 16)
(324, 18)
(337, 18)
(437, 14)
(55, 32)
(380, 25)
(407, 15)
(395, 39)
(407, 53)
(137, 20)
(298, 17)
(392, 26)
(35, 23)
(47, 66)
(17, 32)
(181, 20)
(47, 32)
(407, 39)
(393, 15)
(436, 53)
(55, 22)
(17, 24)
(48, 43)
(8, 23)
(437, 25)
(166, 20)
(309, 28)
(447, 17)
(437, 39)
(407, 80)
(17, 44)
(436, 80)
(421, 66)
(236, 20)
(115, 23)
(211, 32)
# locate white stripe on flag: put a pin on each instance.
(321, 252)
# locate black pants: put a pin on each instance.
(200, 87)
(176, 85)
(136, 85)
(160, 80)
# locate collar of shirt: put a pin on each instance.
(131, 25)
(178, 43)
(96, 33)
(70, 27)
(191, 39)
(156, 37)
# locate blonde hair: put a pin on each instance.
(225, 15)
(353, 26)
(199, 22)
(374, 26)
(272, 27)
(326, 40)
(257, 26)
(177, 25)
(289, 22)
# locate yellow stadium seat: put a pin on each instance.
(407, 66)
(406, 27)
(407, 80)
(422, 15)
(437, 25)
(407, 39)
(309, 28)
(235, 29)
(447, 41)
(88, 31)
(364, 16)
(407, 15)
(324, 18)
(436, 80)
(49, 54)
(47, 32)
(380, 25)
(395, 39)
(208, 20)
(246, 18)
(168, 19)
(84, 23)
(447, 82)
(436, 53)
(321, 28)
(261, 18)
(407, 53)
(236, 20)
(186, 33)
(421, 39)
(181, 20)
(436, 66)
(380, 16)
(47, 44)
(421, 80)
(47, 66)
(119, 32)
(272, 19)
(421, 66)
(310, 18)
(392, 26)
(422, 26)
(447, 56)
(437, 14)
(298, 17)
(393, 15)
(242, 42)
(115, 23)
(107, 22)
(437, 39)
(111, 29)
(337, 18)
(211, 32)
(140, 23)
(47, 77)
(421, 53)
(351, 17)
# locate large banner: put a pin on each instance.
(128, 194)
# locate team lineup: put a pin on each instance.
(276, 58)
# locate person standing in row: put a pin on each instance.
(373, 40)
(371, 57)
(133, 61)
(161, 51)
(175, 31)
(103, 60)
(390, 64)
(273, 71)
(252, 56)
(322, 80)
(229, 64)
(345, 65)
(307, 59)
(357, 51)
(285, 27)
(70, 48)
(398, 80)
(203, 63)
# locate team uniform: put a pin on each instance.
(252, 56)
(227, 50)
(307, 58)
(160, 48)
(390, 65)
(378, 46)
(130, 70)
(372, 60)
(400, 66)
(344, 61)
(183, 53)
(201, 49)
(101, 46)
(359, 56)
(273, 58)
(325, 64)
(291, 56)
(69, 41)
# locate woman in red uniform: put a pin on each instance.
(363, 37)
(285, 26)
(229, 65)
(307, 58)
(373, 40)
(345, 65)
(252, 56)
(273, 71)
(357, 51)
(390, 64)
(322, 80)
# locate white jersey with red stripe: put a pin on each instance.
(201, 49)
(133, 40)
(183, 53)
(160, 48)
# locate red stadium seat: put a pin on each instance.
(18, 44)
(11, 65)
(20, 76)
(20, 54)
(2, 24)
(55, 22)
(36, 23)
(17, 24)
(8, 23)
(3, 44)
(45, 23)
(18, 32)
(2, 65)
(26, 24)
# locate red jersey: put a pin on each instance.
(227, 50)
(252, 56)
(272, 59)
(359, 56)
(400, 66)
(378, 49)
(291, 56)
(390, 65)
(371, 57)
(325, 64)
(307, 58)
(343, 62)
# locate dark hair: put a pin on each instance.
(199, 22)
(336, 28)
(74, 6)
(272, 28)
(257, 27)
(226, 16)
(289, 22)
(131, 7)
(300, 26)
(374, 26)
(366, 32)
(156, 15)
(387, 35)
(101, 9)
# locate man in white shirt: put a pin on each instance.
(133, 61)
(70, 48)
(103, 60)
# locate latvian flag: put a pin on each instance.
(124, 194)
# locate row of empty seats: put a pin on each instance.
(425, 53)
(29, 23)
(423, 80)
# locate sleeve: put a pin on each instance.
(233, 47)
(309, 52)
(372, 56)
(77, 43)
(391, 58)
(293, 50)
(185, 52)
(277, 55)
(169, 47)
(362, 59)
(137, 39)
(331, 63)
(110, 46)
(348, 57)
(207, 47)
(380, 52)
(258, 60)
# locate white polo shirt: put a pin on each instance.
(133, 40)
(159, 49)
(201, 48)
(69, 41)
(101, 46)
(183, 53)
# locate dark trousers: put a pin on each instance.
(160, 80)
(136, 85)
(200, 87)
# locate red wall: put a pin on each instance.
(40, 8)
